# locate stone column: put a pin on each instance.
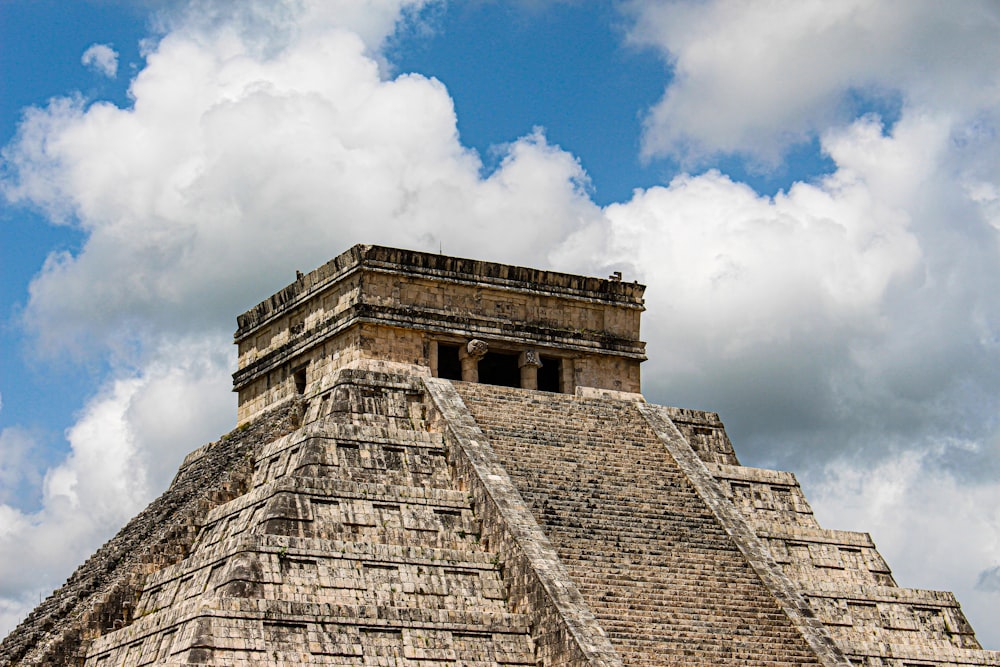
(529, 364)
(568, 380)
(432, 358)
(470, 355)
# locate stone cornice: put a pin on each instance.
(442, 268)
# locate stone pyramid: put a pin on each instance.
(445, 462)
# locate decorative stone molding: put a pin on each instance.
(469, 356)
(529, 363)
(529, 358)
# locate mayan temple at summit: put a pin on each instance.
(448, 462)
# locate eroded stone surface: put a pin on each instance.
(351, 545)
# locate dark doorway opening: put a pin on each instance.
(550, 374)
(300, 380)
(449, 365)
(500, 368)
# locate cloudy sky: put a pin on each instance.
(810, 190)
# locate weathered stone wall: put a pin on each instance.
(350, 546)
(279, 384)
(603, 372)
(334, 299)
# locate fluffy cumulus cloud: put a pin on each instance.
(124, 448)
(102, 59)
(20, 467)
(846, 327)
(19, 473)
(257, 144)
(757, 78)
(239, 164)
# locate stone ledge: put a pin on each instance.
(893, 594)
(354, 434)
(747, 474)
(691, 416)
(609, 395)
(322, 487)
(780, 531)
(440, 267)
(924, 656)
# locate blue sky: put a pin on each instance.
(40, 48)
(811, 193)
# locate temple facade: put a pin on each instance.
(455, 318)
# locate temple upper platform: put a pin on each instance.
(447, 316)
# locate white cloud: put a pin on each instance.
(755, 78)
(856, 313)
(988, 580)
(242, 160)
(733, 274)
(85, 498)
(267, 26)
(125, 447)
(20, 474)
(234, 169)
(102, 59)
(850, 317)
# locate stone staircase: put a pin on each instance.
(661, 574)
(352, 546)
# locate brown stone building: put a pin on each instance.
(442, 461)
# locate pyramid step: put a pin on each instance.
(244, 627)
